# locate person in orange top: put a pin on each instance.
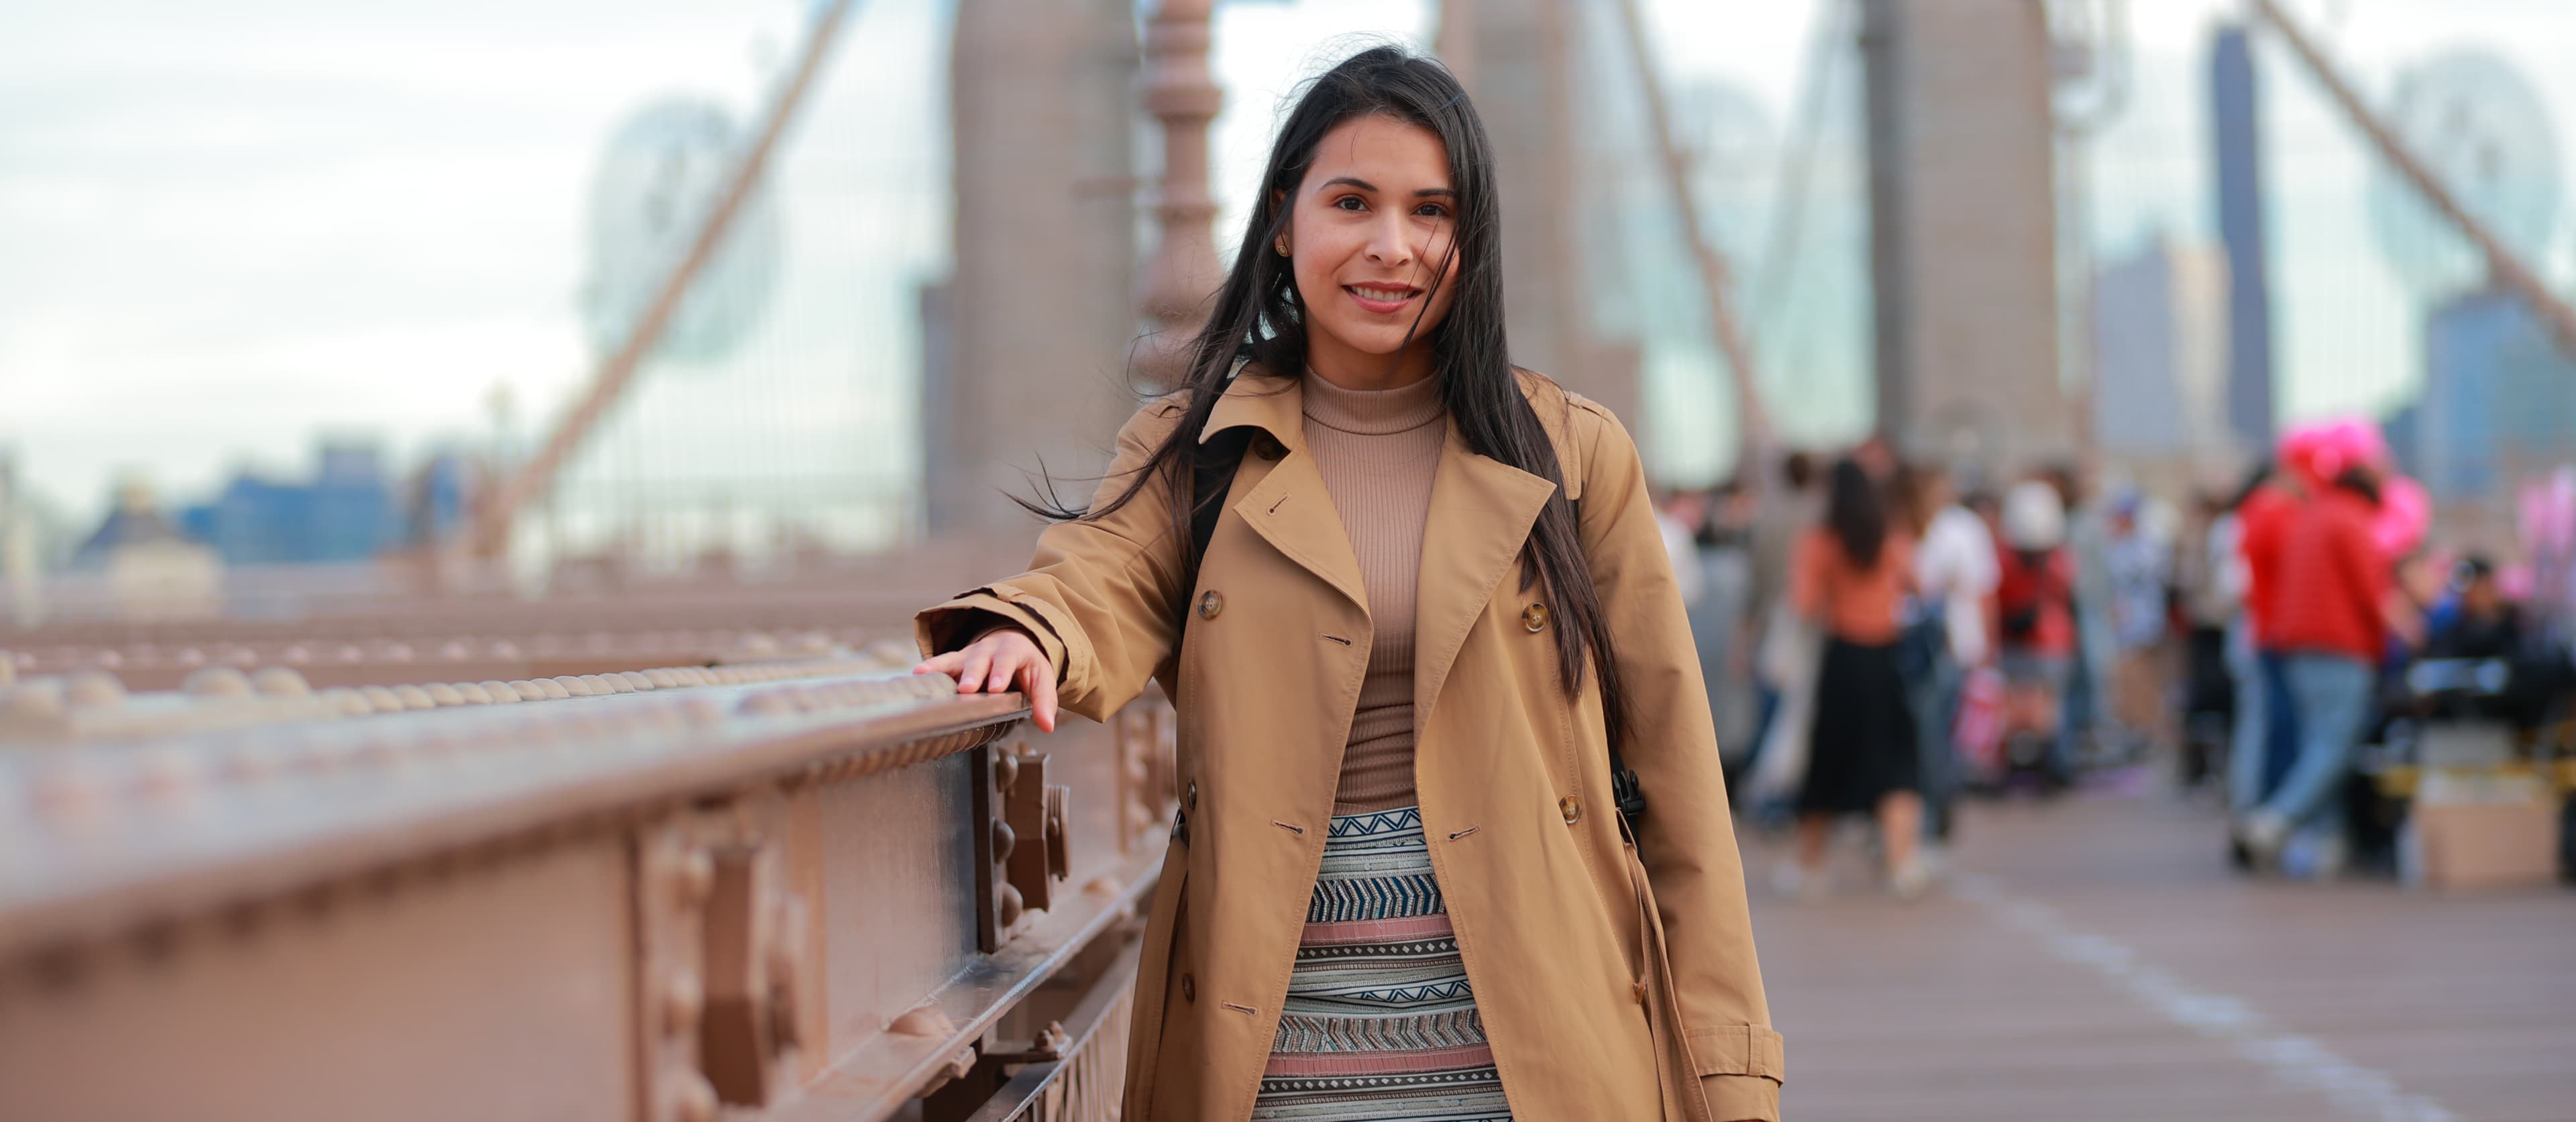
(1850, 576)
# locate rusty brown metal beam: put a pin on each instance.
(2503, 264)
(489, 535)
(736, 891)
(1716, 279)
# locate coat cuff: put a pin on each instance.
(1752, 1050)
(950, 626)
(1741, 1098)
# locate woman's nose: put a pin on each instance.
(1388, 245)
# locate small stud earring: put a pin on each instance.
(1281, 245)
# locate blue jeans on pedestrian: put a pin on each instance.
(1936, 713)
(2264, 742)
(2333, 694)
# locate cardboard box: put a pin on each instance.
(2481, 830)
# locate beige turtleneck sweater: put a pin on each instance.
(1378, 451)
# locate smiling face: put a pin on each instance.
(1370, 231)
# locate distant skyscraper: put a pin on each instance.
(2499, 402)
(2234, 110)
(2160, 353)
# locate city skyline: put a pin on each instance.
(241, 231)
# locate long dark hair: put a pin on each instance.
(1256, 317)
(1856, 514)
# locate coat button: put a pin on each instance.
(1571, 808)
(1268, 447)
(1534, 617)
(1190, 798)
(1210, 604)
(1189, 987)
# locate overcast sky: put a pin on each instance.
(227, 229)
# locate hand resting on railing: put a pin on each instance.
(998, 661)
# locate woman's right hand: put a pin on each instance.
(1000, 660)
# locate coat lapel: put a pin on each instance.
(1290, 509)
(1481, 513)
(1288, 506)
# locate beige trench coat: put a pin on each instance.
(1513, 778)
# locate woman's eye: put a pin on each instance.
(1350, 202)
(1432, 210)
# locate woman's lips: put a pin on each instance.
(1382, 300)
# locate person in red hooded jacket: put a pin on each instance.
(2325, 609)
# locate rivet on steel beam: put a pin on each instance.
(217, 681)
(296, 655)
(397, 652)
(505, 649)
(923, 1021)
(191, 656)
(94, 689)
(1008, 907)
(347, 702)
(278, 681)
(455, 651)
(1003, 840)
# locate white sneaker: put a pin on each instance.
(1797, 882)
(1909, 880)
(2264, 833)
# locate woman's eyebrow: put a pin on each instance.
(1365, 185)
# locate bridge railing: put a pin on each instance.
(805, 886)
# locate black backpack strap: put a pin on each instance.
(1212, 467)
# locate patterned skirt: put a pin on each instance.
(1379, 1024)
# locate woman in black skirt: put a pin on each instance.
(1851, 578)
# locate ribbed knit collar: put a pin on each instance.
(1372, 412)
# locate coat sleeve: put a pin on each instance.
(1687, 838)
(1101, 597)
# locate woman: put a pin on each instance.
(1430, 601)
(1851, 578)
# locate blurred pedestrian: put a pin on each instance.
(2035, 628)
(2207, 581)
(2140, 617)
(2266, 734)
(1784, 645)
(2086, 715)
(2331, 624)
(1849, 578)
(1955, 571)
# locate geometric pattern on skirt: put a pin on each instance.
(1380, 1024)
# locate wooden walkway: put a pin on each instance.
(2095, 960)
